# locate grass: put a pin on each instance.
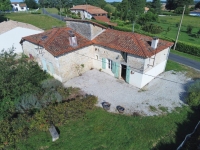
(196, 58)
(38, 20)
(190, 72)
(53, 10)
(163, 109)
(152, 108)
(102, 130)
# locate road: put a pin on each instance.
(184, 61)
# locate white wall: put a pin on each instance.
(19, 8)
(14, 36)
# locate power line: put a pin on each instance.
(134, 70)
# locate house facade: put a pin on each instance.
(17, 6)
(64, 53)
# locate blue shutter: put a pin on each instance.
(117, 65)
(128, 74)
(44, 65)
(113, 67)
(104, 63)
(51, 68)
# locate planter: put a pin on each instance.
(120, 109)
(106, 105)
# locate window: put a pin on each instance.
(109, 64)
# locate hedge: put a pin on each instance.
(180, 46)
(188, 48)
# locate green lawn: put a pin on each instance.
(196, 58)
(38, 20)
(53, 10)
(100, 130)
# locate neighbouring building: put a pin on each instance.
(18, 6)
(89, 12)
(11, 33)
(83, 45)
(146, 9)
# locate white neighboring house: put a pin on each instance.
(12, 38)
(17, 6)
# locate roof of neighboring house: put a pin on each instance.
(22, 5)
(56, 41)
(89, 8)
(132, 43)
(101, 18)
(9, 25)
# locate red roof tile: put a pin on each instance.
(101, 18)
(131, 43)
(89, 8)
(56, 41)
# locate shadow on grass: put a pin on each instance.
(183, 129)
(2, 18)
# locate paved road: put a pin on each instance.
(185, 61)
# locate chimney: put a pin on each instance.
(154, 42)
(72, 39)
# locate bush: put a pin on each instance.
(188, 48)
(194, 94)
(189, 29)
(179, 10)
(154, 29)
(147, 17)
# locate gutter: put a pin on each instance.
(187, 137)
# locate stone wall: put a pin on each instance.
(86, 29)
(43, 57)
(75, 63)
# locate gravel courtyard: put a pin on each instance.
(159, 93)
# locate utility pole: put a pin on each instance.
(133, 26)
(179, 28)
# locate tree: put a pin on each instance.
(157, 6)
(17, 77)
(197, 5)
(31, 4)
(5, 5)
(173, 4)
(194, 94)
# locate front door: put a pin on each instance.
(123, 73)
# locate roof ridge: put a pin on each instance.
(140, 45)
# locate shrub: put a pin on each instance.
(188, 48)
(179, 10)
(194, 94)
(154, 29)
(189, 29)
(147, 17)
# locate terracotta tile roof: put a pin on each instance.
(101, 18)
(132, 43)
(22, 5)
(89, 8)
(56, 41)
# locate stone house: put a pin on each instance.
(67, 52)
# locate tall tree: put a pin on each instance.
(31, 4)
(5, 5)
(157, 6)
(173, 4)
(137, 6)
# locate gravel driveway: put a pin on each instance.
(154, 99)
